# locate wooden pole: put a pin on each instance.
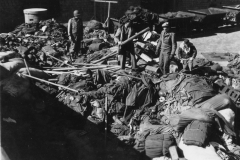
(105, 118)
(135, 36)
(121, 74)
(55, 72)
(26, 66)
(84, 68)
(91, 64)
(59, 60)
(58, 85)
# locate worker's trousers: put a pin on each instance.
(187, 63)
(76, 45)
(123, 55)
(164, 62)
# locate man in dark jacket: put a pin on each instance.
(75, 33)
(186, 53)
(167, 44)
(123, 33)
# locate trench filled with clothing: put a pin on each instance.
(89, 108)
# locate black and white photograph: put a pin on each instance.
(120, 79)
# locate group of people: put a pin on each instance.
(166, 46)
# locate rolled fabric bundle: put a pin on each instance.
(8, 68)
(8, 55)
(35, 72)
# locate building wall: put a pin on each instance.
(200, 4)
(11, 11)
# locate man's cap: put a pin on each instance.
(76, 13)
(186, 41)
(166, 24)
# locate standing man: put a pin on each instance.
(75, 33)
(167, 44)
(122, 34)
(186, 53)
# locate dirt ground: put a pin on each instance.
(222, 40)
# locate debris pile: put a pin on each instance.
(195, 110)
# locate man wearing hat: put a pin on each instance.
(123, 33)
(75, 33)
(186, 53)
(167, 46)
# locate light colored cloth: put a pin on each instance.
(229, 115)
(192, 152)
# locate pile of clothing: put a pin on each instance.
(181, 110)
(197, 110)
(96, 37)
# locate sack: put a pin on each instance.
(93, 24)
(180, 121)
(158, 145)
(140, 140)
(197, 133)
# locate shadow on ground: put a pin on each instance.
(55, 134)
(208, 32)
